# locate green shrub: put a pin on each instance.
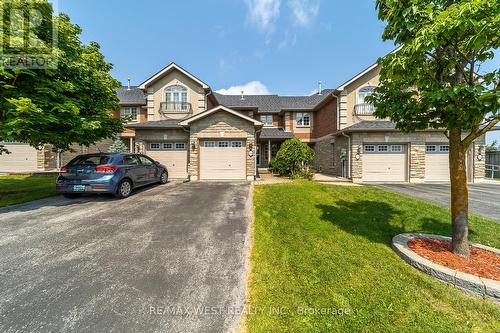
(293, 160)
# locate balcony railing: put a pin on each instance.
(180, 107)
(364, 109)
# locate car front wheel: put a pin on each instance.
(164, 177)
(124, 189)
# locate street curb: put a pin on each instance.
(485, 288)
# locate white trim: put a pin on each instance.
(167, 69)
(342, 86)
(206, 113)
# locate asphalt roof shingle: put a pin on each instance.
(275, 133)
(372, 125)
(132, 96)
(155, 124)
(272, 103)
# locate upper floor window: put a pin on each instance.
(363, 93)
(267, 119)
(303, 119)
(176, 94)
(131, 112)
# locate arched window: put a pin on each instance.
(176, 98)
(363, 92)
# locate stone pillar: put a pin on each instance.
(417, 162)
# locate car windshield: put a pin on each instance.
(91, 160)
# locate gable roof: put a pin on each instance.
(171, 123)
(206, 113)
(171, 67)
(273, 103)
(363, 72)
(132, 96)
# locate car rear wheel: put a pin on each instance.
(124, 189)
(164, 177)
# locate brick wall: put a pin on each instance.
(325, 119)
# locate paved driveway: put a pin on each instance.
(153, 262)
(484, 199)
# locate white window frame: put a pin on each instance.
(363, 92)
(444, 148)
(369, 148)
(379, 150)
(168, 146)
(264, 118)
(128, 111)
(399, 148)
(210, 144)
(428, 150)
(236, 144)
(151, 144)
(171, 91)
(300, 117)
(180, 146)
(223, 144)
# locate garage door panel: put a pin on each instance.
(175, 161)
(385, 166)
(437, 167)
(21, 158)
(222, 163)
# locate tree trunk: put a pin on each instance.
(459, 195)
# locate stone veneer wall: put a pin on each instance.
(324, 155)
(46, 159)
(221, 125)
(416, 144)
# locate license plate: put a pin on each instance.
(79, 188)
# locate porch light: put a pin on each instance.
(358, 154)
(480, 154)
(193, 145)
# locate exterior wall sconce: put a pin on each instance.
(193, 145)
(358, 154)
(480, 154)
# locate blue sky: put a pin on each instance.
(264, 46)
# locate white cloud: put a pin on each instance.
(251, 88)
(288, 40)
(304, 11)
(263, 13)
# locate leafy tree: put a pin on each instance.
(293, 159)
(59, 105)
(492, 147)
(118, 147)
(434, 81)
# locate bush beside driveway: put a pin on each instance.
(322, 261)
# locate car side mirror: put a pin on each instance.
(157, 163)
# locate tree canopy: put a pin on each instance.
(60, 105)
(439, 78)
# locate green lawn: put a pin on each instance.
(19, 189)
(327, 248)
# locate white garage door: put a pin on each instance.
(22, 157)
(384, 163)
(222, 159)
(437, 163)
(173, 155)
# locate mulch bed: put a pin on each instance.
(481, 263)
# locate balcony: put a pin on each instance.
(364, 109)
(175, 107)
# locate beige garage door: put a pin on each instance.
(21, 158)
(222, 159)
(384, 163)
(173, 155)
(437, 163)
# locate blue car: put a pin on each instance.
(117, 174)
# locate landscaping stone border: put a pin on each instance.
(486, 288)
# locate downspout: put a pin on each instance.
(206, 98)
(189, 149)
(348, 155)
